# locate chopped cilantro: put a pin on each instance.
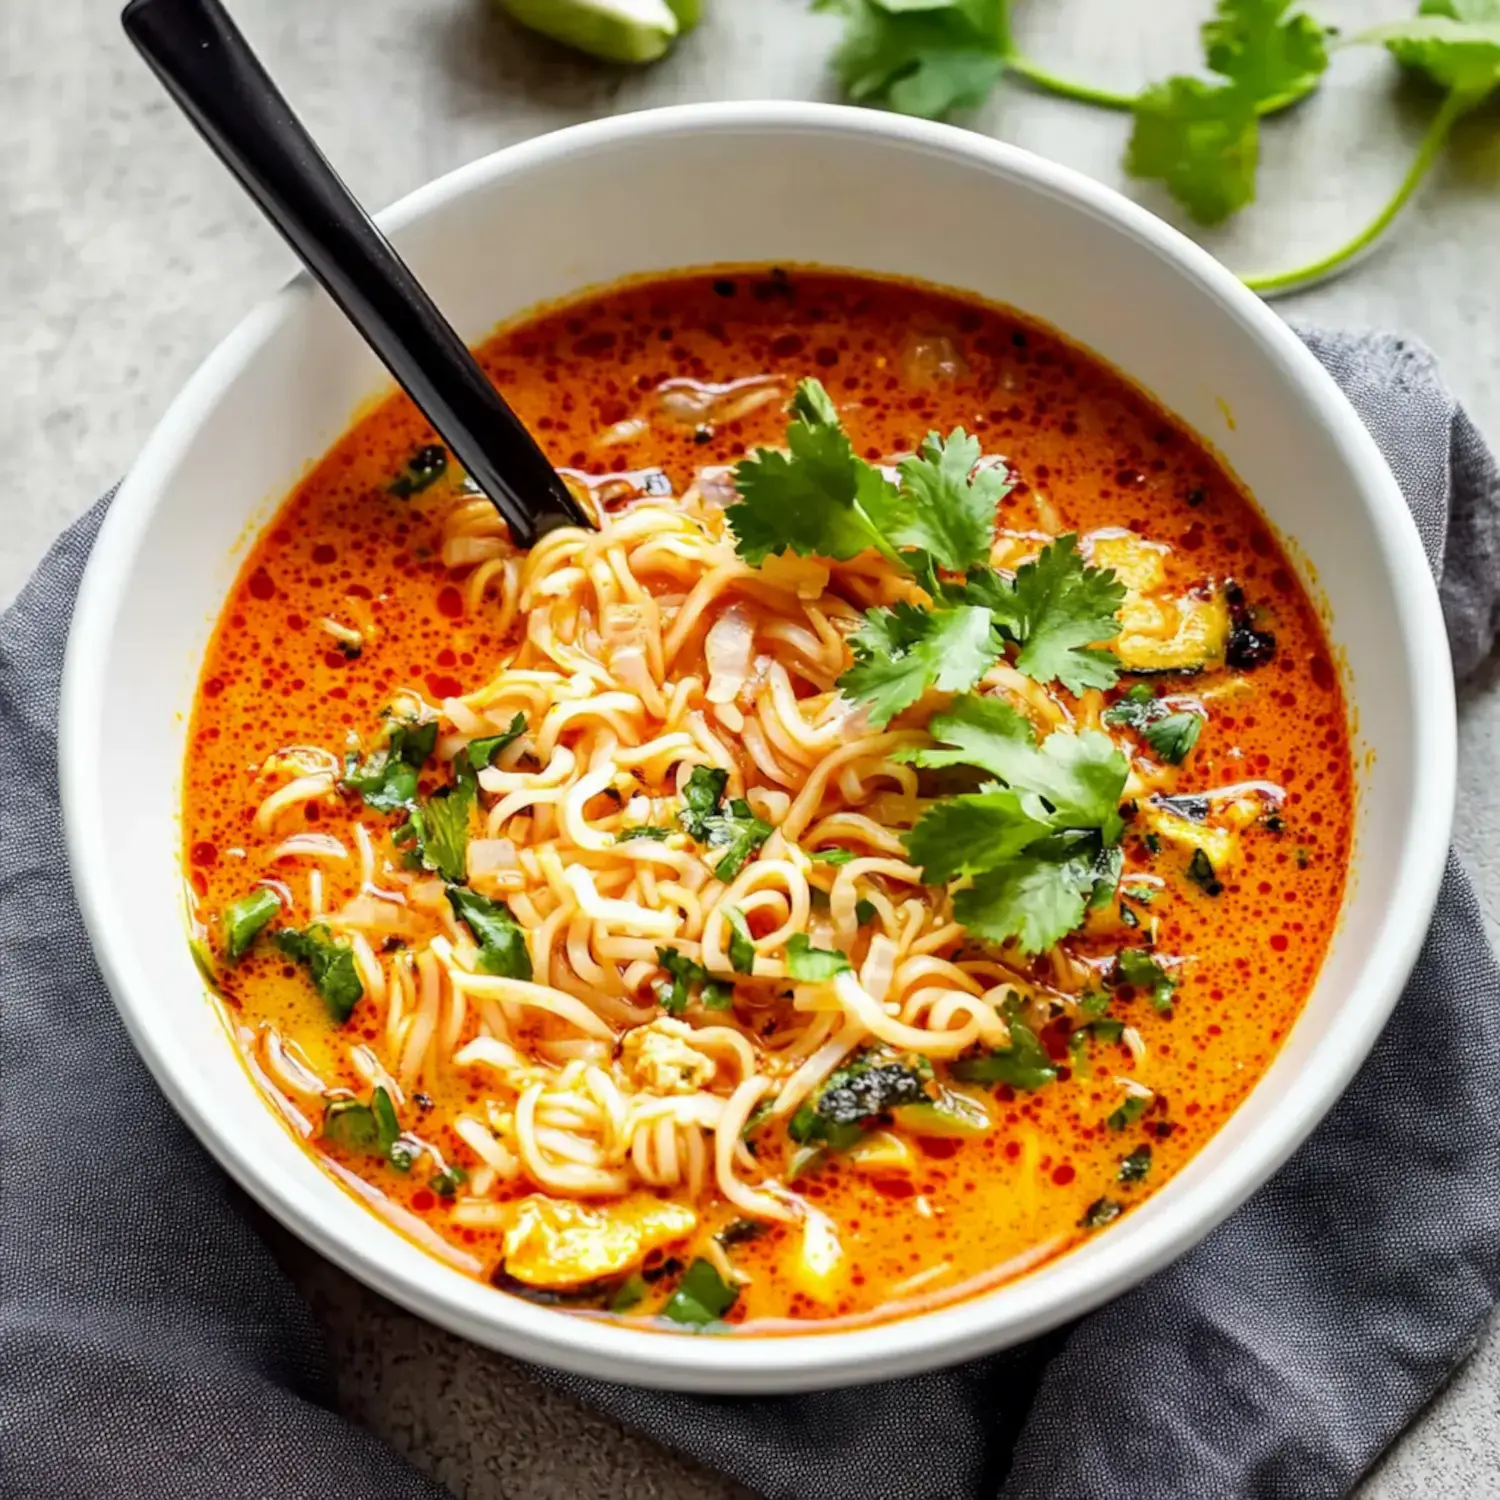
(1173, 737)
(371, 1129)
(425, 467)
(687, 977)
(813, 965)
(502, 942)
(629, 1294)
(736, 830)
(832, 856)
(245, 919)
(1138, 968)
(1134, 709)
(482, 752)
(864, 912)
(1131, 1108)
(447, 1182)
(741, 944)
(387, 777)
(702, 1296)
(438, 831)
(1023, 1065)
(329, 962)
(1133, 1168)
(643, 831)
(874, 1082)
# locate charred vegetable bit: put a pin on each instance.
(837, 1113)
(424, 468)
(330, 964)
(1100, 1212)
(1248, 647)
(246, 919)
(702, 1297)
(1201, 873)
(1133, 1168)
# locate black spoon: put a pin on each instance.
(196, 50)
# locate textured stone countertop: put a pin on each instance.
(126, 253)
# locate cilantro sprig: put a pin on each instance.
(1038, 843)
(820, 497)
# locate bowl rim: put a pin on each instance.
(968, 1326)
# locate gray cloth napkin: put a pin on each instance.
(151, 1347)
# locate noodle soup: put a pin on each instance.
(869, 866)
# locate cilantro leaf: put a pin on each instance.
(245, 919)
(702, 1296)
(835, 1115)
(1270, 54)
(687, 977)
(1022, 1065)
(1082, 776)
(502, 942)
(964, 835)
(741, 944)
(425, 467)
(1202, 140)
(1173, 737)
(831, 856)
(482, 752)
(1131, 1108)
(902, 651)
(643, 831)
(438, 830)
(813, 965)
(921, 57)
(1133, 1168)
(1456, 43)
(329, 962)
(1056, 609)
(1036, 899)
(1134, 709)
(951, 516)
(818, 498)
(387, 777)
(736, 830)
(1137, 967)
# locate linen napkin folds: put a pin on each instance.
(150, 1346)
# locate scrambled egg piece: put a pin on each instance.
(1160, 632)
(659, 1057)
(556, 1242)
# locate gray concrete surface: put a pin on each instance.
(126, 253)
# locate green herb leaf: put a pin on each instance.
(818, 498)
(1134, 709)
(951, 517)
(1133, 1168)
(387, 777)
(1202, 140)
(447, 1182)
(1269, 53)
(1037, 899)
(329, 962)
(1138, 968)
(245, 919)
(832, 856)
(425, 467)
(629, 1294)
(836, 1115)
(901, 652)
(967, 834)
(643, 831)
(482, 752)
(439, 831)
(687, 977)
(1023, 1065)
(865, 912)
(736, 830)
(350, 1124)
(921, 57)
(813, 965)
(702, 1296)
(1456, 43)
(1131, 1109)
(502, 942)
(1099, 1213)
(1173, 737)
(741, 945)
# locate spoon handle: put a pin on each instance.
(198, 53)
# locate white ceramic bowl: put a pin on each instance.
(695, 186)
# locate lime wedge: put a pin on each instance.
(623, 31)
